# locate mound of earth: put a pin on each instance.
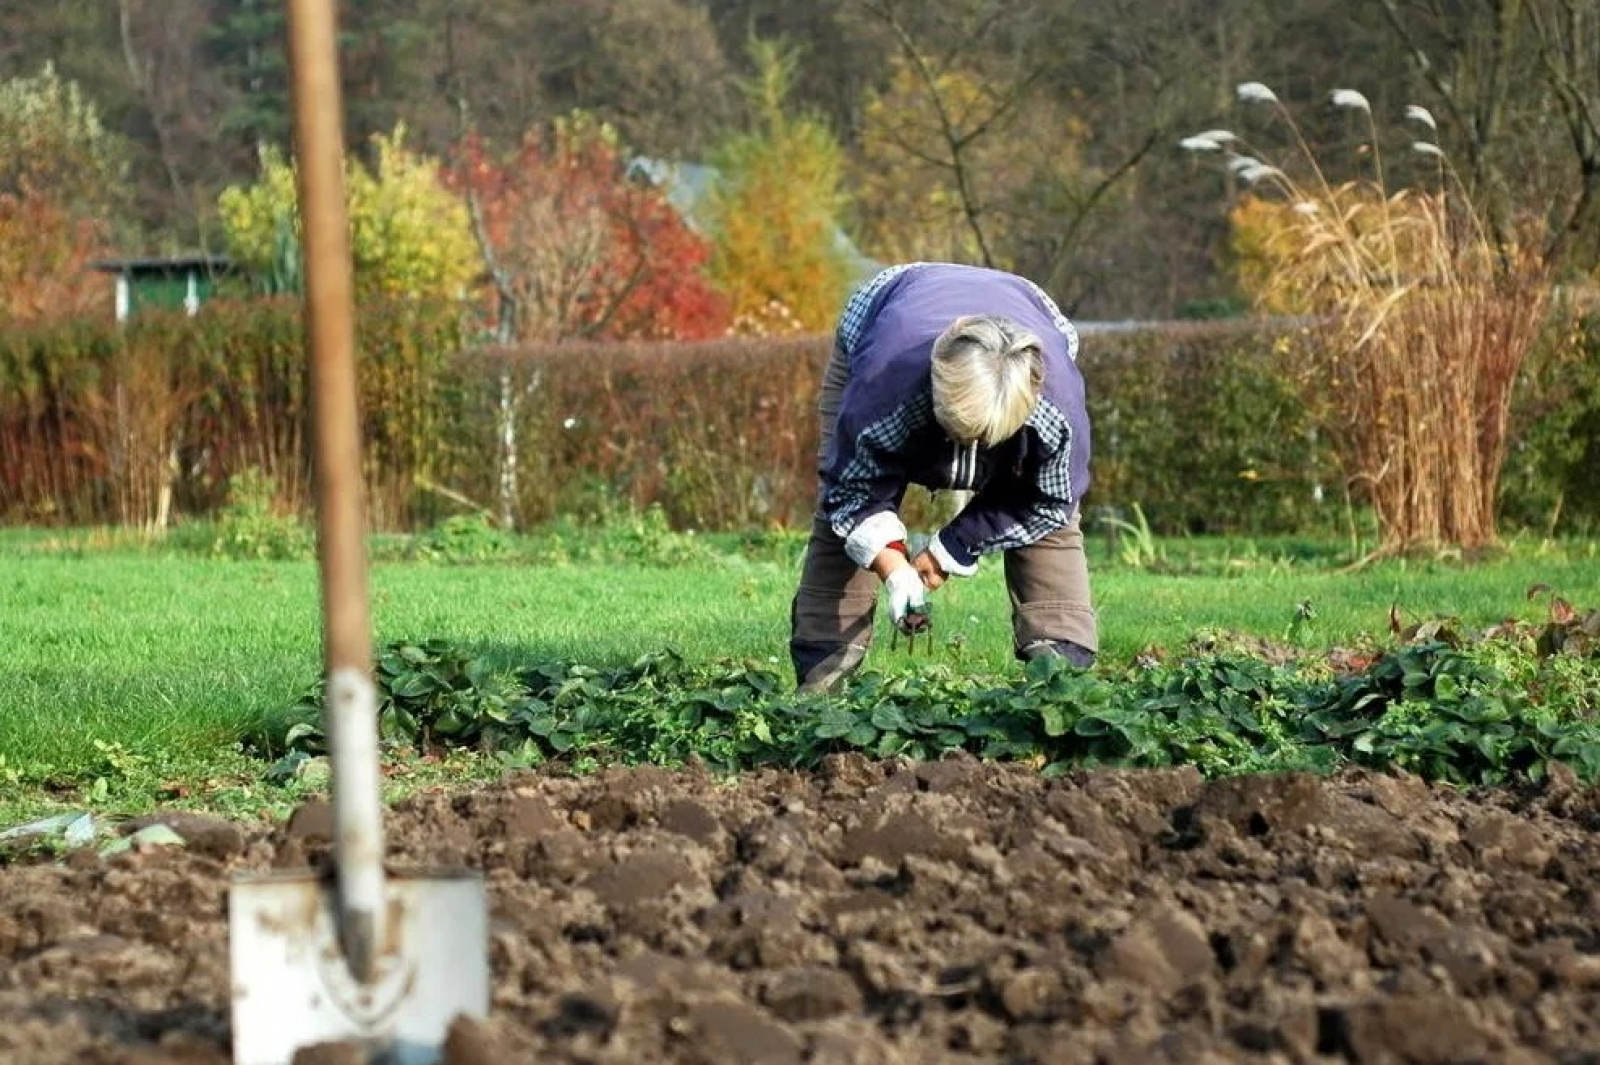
(882, 913)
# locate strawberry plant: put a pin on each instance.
(431, 694)
(1436, 704)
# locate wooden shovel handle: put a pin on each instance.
(350, 709)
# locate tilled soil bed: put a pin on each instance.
(875, 914)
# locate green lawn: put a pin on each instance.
(164, 659)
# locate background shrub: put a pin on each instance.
(1551, 480)
(131, 424)
(1194, 424)
(718, 434)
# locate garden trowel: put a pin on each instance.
(353, 953)
(918, 621)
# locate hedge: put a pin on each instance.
(146, 423)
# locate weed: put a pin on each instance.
(1137, 545)
(464, 538)
(253, 526)
(1300, 626)
(619, 534)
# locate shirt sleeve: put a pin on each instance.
(863, 490)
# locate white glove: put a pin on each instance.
(906, 595)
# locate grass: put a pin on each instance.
(130, 674)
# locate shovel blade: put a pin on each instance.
(292, 987)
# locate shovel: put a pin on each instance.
(356, 954)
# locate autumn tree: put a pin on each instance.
(44, 262)
(409, 235)
(574, 247)
(59, 174)
(778, 253)
(937, 115)
(1006, 164)
(198, 86)
(939, 174)
(53, 142)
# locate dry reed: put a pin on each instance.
(1418, 324)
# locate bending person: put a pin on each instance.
(960, 378)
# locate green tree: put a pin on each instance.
(776, 249)
(247, 38)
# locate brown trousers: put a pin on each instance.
(832, 614)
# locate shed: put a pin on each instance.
(167, 282)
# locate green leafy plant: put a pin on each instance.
(618, 532)
(1137, 546)
(1301, 624)
(431, 694)
(462, 539)
(253, 526)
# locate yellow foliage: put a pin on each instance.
(1330, 246)
(1262, 241)
(774, 214)
(904, 170)
(259, 220)
(409, 235)
(910, 212)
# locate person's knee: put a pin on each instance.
(829, 635)
(1055, 621)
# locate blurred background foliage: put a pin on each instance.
(1039, 135)
(599, 244)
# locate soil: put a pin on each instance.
(883, 913)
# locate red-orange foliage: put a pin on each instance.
(575, 249)
(44, 262)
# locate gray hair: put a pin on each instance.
(987, 374)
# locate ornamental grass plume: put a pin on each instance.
(1419, 321)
